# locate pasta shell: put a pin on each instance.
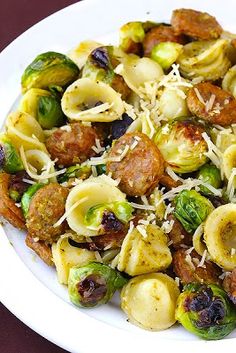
(141, 254)
(29, 101)
(206, 59)
(177, 108)
(229, 81)
(137, 71)
(229, 160)
(149, 301)
(80, 53)
(219, 235)
(85, 195)
(80, 99)
(39, 163)
(24, 130)
(66, 256)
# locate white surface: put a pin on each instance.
(28, 287)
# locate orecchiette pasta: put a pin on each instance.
(229, 160)
(39, 164)
(141, 254)
(150, 300)
(88, 100)
(229, 81)
(90, 193)
(66, 256)
(24, 130)
(206, 59)
(219, 235)
(80, 53)
(178, 106)
(136, 72)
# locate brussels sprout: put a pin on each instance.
(119, 127)
(206, 311)
(101, 169)
(49, 113)
(131, 36)
(191, 209)
(108, 215)
(49, 69)
(75, 171)
(166, 53)
(29, 101)
(27, 196)
(93, 284)
(10, 160)
(182, 145)
(209, 174)
(100, 66)
(18, 186)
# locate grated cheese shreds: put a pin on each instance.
(203, 259)
(172, 174)
(95, 110)
(210, 103)
(188, 259)
(66, 128)
(188, 252)
(98, 256)
(177, 281)
(94, 171)
(214, 154)
(142, 230)
(120, 157)
(167, 226)
(169, 210)
(142, 207)
(233, 252)
(71, 209)
(28, 181)
(200, 98)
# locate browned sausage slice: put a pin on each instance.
(178, 234)
(196, 24)
(212, 104)
(229, 285)
(8, 209)
(72, 144)
(40, 248)
(46, 208)
(160, 34)
(186, 268)
(139, 164)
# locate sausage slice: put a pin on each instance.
(196, 24)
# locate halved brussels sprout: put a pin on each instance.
(206, 59)
(178, 107)
(100, 66)
(229, 81)
(29, 101)
(47, 69)
(191, 209)
(27, 196)
(10, 160)
(206, 311)
(93, 284)
(49, 113)
(182, 145)
(75, 171)
(209, 174)
(108, 215)
(166, 53)
(131, 36)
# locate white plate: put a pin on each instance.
(28, 287)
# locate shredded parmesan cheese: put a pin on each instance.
(142, 207)
(71, 209)
(201, 263)
(142, 230)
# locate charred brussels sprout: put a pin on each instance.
(108, 216)
(101, 169)
(209, 174)
(93, 284)
(49, 113)
(206, 311)
(27, 196)
(166, 53)
(75, 171)
(100, 66)
(48, 69)
(182, 145)
(10, 160)
(119, 127)
(191, 209)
